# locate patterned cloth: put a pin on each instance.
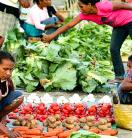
(10, 98)
(124, 96)
(7, 23)
(32, 31)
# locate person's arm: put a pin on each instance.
(121, 5)
(4, 130)
(24, 3)
(126, 84)
(48, 38)
(60, 17)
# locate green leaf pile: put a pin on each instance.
(83, 134)
(80, 58)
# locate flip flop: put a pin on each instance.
(115, 81)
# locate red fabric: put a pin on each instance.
(128, 0)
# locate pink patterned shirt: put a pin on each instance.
(106, 15)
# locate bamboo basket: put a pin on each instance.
(123, 115)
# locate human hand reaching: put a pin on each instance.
(47, 38)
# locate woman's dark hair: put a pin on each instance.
(6, 55)
(86, 2)
(130, 58)
(36, 1)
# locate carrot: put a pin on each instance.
(39, 128)
(52, 137)
(105, 133)
(94, 130)
(2, 136)
(31, 136)
(22, 132)
(50, 129)
(65, 134)
(52, 133)
(61, 129)
(36, 137)
(33, 132)
(111, 132)
(20, 128)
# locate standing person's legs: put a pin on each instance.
(129, 27)
(118, 36)
(7, 23)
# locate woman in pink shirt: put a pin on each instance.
(115, 14)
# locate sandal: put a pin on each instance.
(118, 80)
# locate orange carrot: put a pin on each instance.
(56, 129)
(52, 133)
(111, 132)
(50, 129)
(20, 128)
(31, 136)
(52, 137)
(65, 134)
(105, 133)
(33, 132)
(94, 130)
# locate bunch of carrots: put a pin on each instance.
(38, 133)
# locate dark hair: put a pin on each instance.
(86, 2)
(36, 1)
(130, 58)
(6, 55)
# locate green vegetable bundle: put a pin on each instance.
(83, 134)
(80, 58)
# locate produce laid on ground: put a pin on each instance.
(41, 111)
(60, 120)
(79, 59)
(27, 120)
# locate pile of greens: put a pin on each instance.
(83, 134)
(79, 59)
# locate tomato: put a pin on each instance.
(41, 108)
(55, 108)
(16, 110)
(65, 111)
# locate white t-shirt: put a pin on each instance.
(12, 3)
(36, 15)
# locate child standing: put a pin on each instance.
(125, 87)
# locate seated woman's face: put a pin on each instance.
(49, 2)
(129, 65)
(44, 3)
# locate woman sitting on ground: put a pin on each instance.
(10, 98)
(125, 89)
(40, 19)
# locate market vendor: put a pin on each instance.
(9, 13)
(115, 14)
(125, 88)
(40, 19)
(10, 99)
